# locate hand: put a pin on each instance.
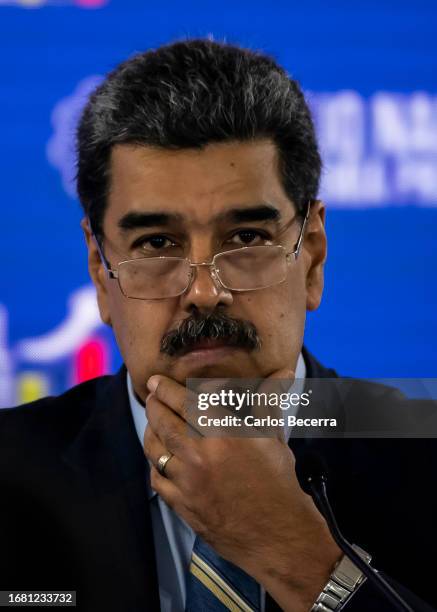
(241, 495)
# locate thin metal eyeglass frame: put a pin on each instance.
(114, 274)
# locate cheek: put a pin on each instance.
(138, 328)
(279, 316)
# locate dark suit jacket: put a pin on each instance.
(74, 513)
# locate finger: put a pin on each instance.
(184, 404)
(166, 424)
(166, 489)
(169, 392)
(154, 449)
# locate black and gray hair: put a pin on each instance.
(187, 95)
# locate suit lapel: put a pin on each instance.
(108, 454)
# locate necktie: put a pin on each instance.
(216, 585)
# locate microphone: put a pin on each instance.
(311, 471)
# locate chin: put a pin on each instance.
(224, 369)
(209, 371)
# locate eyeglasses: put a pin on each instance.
(244, 269)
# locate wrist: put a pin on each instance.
(295, 582)
(344, 581)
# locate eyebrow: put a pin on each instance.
(136, 220)
(261, 212)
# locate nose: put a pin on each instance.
(205, 292)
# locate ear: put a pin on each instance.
(315, 249)
(97, 272)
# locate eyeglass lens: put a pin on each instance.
(239, 270)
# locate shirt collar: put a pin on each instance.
(140, 418)
(140, 421)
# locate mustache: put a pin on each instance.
(214, 326)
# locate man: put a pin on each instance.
(186, 156)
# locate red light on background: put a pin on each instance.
(91, 360)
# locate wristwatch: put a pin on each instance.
(342, 584)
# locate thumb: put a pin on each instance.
(270, 392)
(278, 381)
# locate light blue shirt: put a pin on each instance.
(173, 538)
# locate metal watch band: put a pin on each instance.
(343, 582)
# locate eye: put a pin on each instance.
(157, 242)
(250, 237)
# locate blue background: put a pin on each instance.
(379, 314)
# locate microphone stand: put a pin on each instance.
(317, 487)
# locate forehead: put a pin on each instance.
(197, 184)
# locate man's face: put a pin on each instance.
(208, 201)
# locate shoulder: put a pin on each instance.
(353, 391)
(50, 421)
(383, 434)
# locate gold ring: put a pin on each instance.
(162, 463)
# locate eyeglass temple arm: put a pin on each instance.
(301, 233)
(111, 273)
